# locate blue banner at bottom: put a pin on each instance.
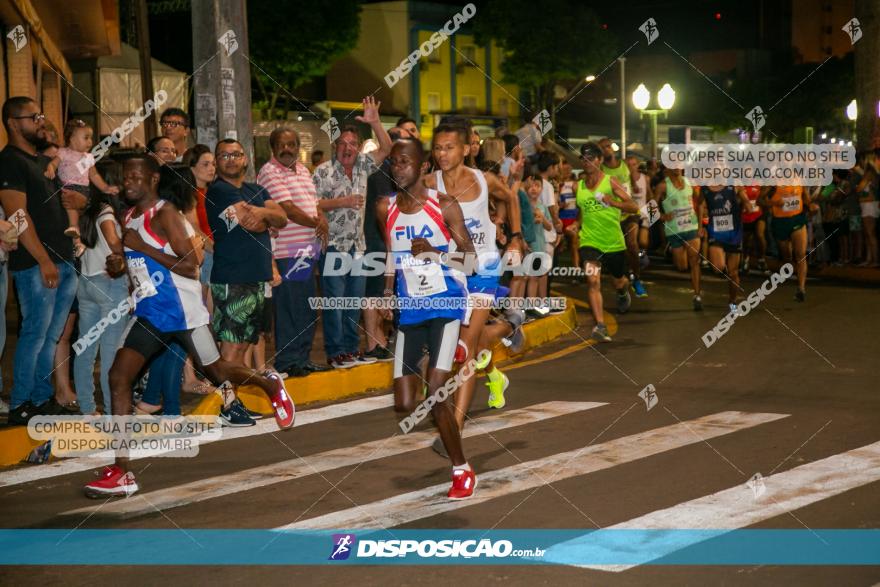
(611, 549)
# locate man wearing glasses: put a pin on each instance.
(42, 265)
(175, 126)
(240, 215)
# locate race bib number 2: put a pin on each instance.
(424, 280)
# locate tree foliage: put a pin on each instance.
(545, 43)
(792, 97)
(291, 43)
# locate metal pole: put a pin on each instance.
(622, 107)
(653, 115)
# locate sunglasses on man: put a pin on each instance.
(36, 117)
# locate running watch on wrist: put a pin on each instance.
(444, 258)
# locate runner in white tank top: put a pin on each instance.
(482, 232)
(473, 190)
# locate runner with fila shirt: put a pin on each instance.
(789, 205)
(601, 199)
(725, 205)
(419, 221)
(472, 189)
(682, 225)
(635, 227)
(159, 251)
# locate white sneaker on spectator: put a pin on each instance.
(4, 407)
(362, 359)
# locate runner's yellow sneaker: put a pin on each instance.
(498, 383)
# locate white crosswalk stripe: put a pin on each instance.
(727, 509)
(265, 426)
(739, 506)
(431, 501)
(180, 495)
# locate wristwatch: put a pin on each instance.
(444, 258)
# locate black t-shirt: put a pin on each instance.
(240, 256)
(379, 184)
(22, 172)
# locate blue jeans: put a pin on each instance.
(295, 320)
(163, 382)
(43, 314)
(341, 326)
(99, 297)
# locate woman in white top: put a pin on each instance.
(103, 311)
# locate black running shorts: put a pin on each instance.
(613, 263)
(438, 335)
(142, 337)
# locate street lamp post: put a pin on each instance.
(852, 112)
(641, 98)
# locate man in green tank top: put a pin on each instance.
(600, 201)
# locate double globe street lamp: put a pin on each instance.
(641, 98)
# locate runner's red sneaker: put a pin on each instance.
(464, 481)
(460, 352)
(285, 411)
(113, 482)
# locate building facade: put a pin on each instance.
(41, 38)
(457, 77)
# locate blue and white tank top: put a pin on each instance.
(174, 302)
(725, 215)
(423, 283)
(479, 226)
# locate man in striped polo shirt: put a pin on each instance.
(296, 249)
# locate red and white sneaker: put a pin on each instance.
(464, 481)
(285, 411)
(461, 352)
(113, 482)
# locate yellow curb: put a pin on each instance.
(341, 383)
(15, 444)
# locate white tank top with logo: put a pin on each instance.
(478, 223)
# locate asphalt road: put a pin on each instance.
(800, 378)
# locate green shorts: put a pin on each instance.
(782, 228)
(238, 311)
